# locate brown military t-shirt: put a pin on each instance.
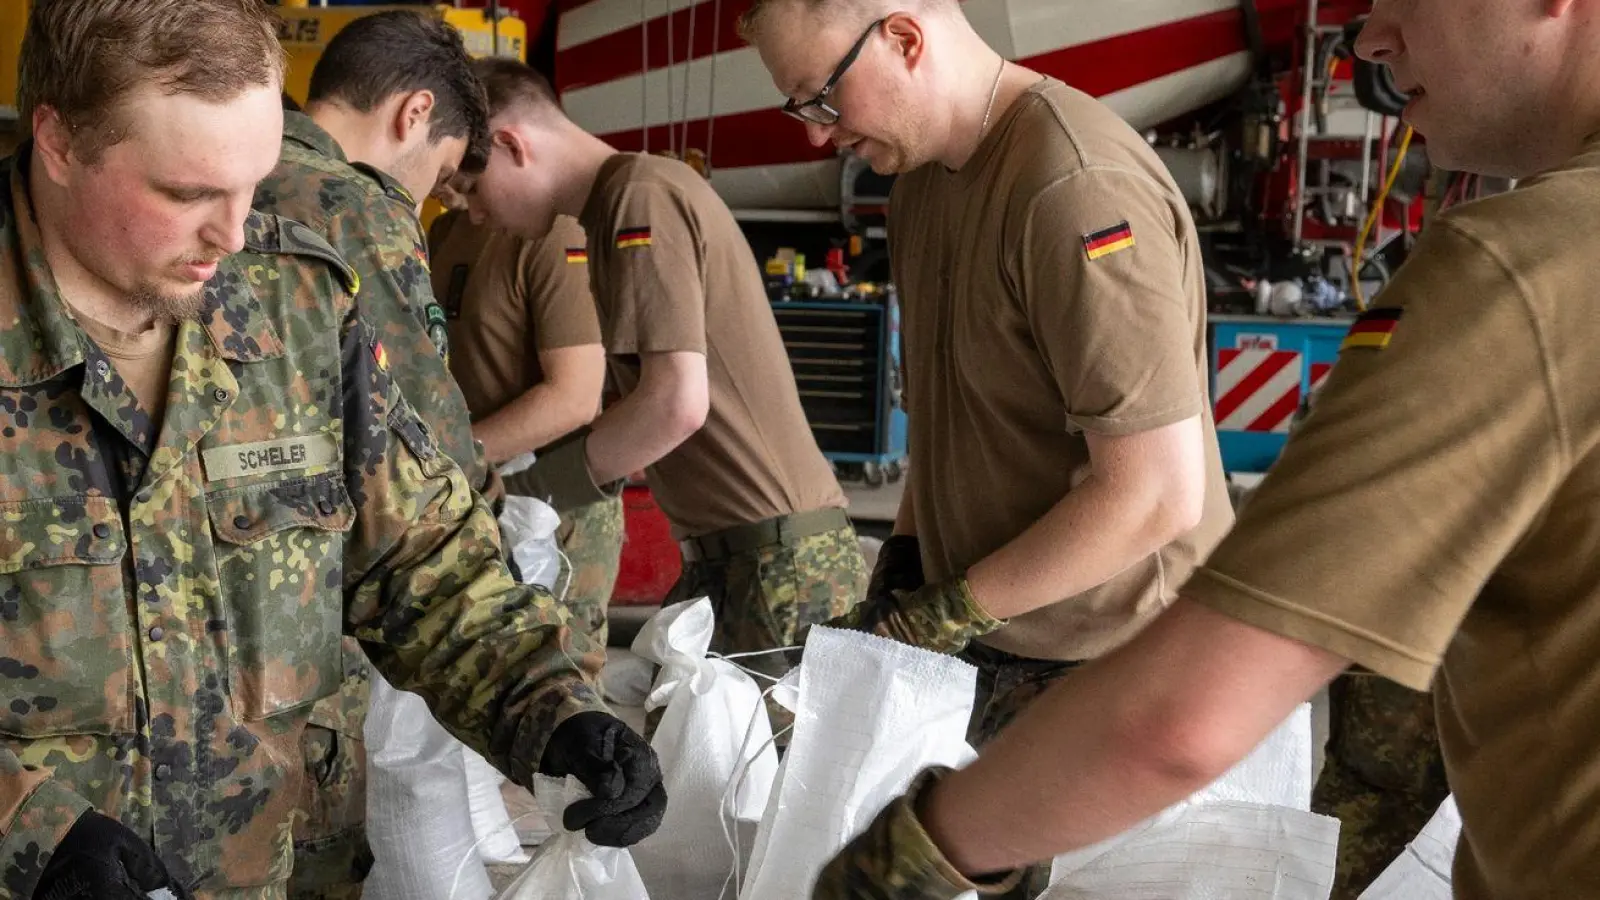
(672, 272)
(1439, 512)
(505, 299)
(144, 360)
(1050, 288)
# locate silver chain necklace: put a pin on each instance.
(994, 91)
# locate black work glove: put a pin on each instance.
(621, 773)
(100, 859)
(899, 567)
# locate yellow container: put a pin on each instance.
(13, 19)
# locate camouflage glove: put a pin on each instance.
(560, 477)
(899, 566)
(621, 773)
(100, 859)
(895, 859)
(941, 617)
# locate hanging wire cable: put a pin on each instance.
(644, 77)
(711, 100)
(1372, 218)
(672, 132)
(688, 68)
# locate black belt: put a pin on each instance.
(745, 538)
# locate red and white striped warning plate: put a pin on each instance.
(1257, 390)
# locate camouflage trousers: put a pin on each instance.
(591, 538)
(764, 595)
(331, 855)
(1007, 684)
(1383, 777)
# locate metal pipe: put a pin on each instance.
(1366, 159)
(1307, 75)
(1383, 166)
(494, 25)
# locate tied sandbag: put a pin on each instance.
(418, 819)
(498, 842)
(714, 742)
(1423, 871)
(569, 866)
(870, 714)
(1247, 836)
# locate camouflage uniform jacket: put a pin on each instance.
(171, 603)
(372, 221)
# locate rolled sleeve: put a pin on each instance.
(1103, 269)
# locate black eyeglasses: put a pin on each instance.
(816, 110)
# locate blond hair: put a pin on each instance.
(834, 10)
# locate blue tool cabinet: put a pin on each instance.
(846, 359)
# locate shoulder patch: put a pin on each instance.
(1108, 241)
(393, 189)
(266, 233)
(1373, 329)
(633, 237)
(577, 254)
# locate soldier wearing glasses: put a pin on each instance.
(1067, 477)
(709, 407)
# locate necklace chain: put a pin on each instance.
(994, 91)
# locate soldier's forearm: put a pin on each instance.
(536, 419)
(1123, 738)
(634, 434)
(1144, 491)
(500, 671)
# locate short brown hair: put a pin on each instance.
(510, 83)
(82, 57)
(750, 22)
(401, 51)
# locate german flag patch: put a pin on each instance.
(1109, 241)
(380, 355)
(578, 255)
(633, 237)
(1373, 329)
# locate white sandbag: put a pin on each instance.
(1249, 834)
(498, 843)
(528, 526)
(627, 678)
(569, 866)
(1423, 872)
(871, 714)
(1220, 850)
(714, 742)
(418, 820)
